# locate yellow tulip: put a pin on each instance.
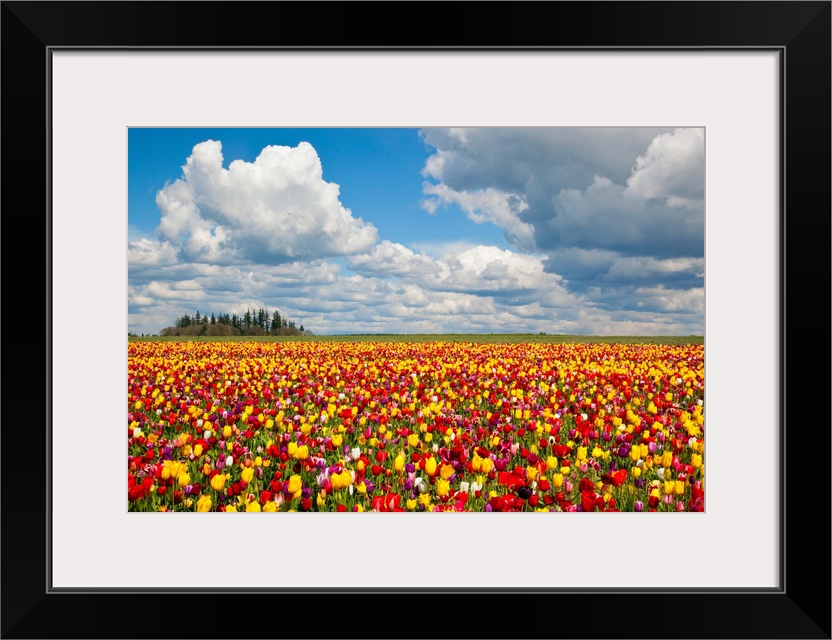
(253, 507)
(270, 506)
(346, 478)
(487, 465)
(203, 504)
(218, 482)
(430, 466)
(295, 484)
(248, 474)
(443, 487)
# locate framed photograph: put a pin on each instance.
(732, 97)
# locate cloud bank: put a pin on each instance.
(604, 233)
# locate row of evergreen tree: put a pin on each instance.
(251, 323)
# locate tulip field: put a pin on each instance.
(415, 426)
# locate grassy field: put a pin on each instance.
(473, 338)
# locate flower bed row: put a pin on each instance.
(336, 426)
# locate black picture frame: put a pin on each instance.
(799, 31)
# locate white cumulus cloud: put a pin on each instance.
(275, 209)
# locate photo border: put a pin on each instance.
(31, 31)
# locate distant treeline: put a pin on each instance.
(251, 323)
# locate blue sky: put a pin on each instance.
(482, 230)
